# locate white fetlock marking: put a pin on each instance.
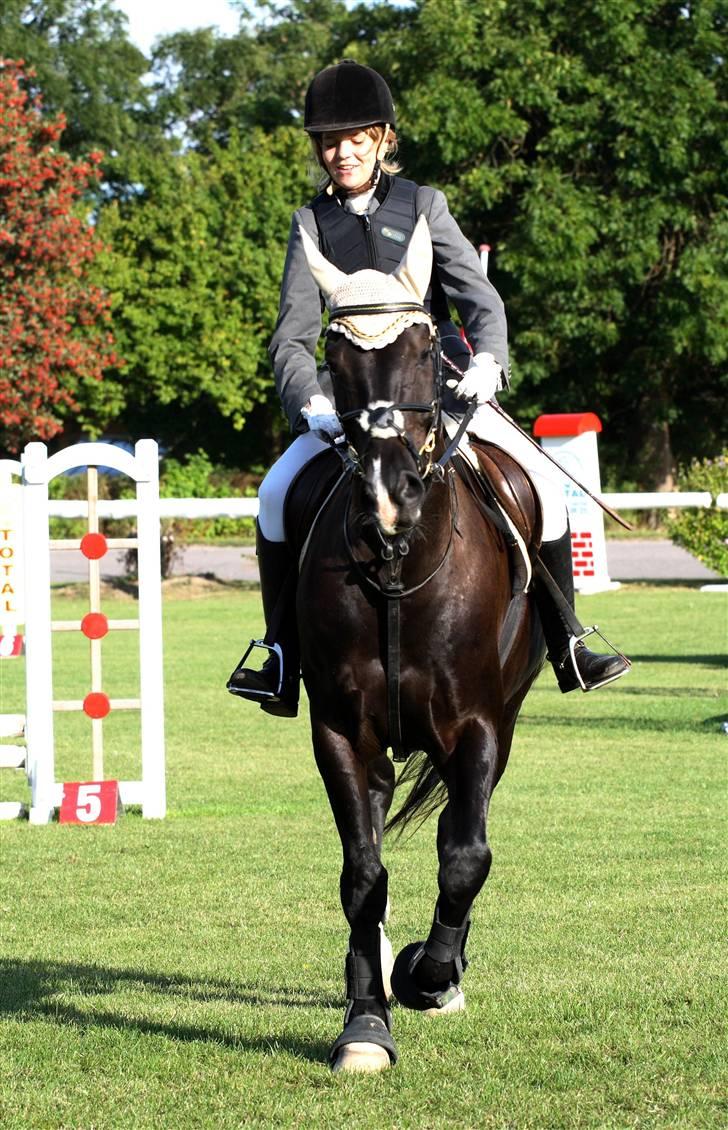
(455, 1004)
(362, 1057)
(386, 954)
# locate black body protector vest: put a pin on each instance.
(376, 242)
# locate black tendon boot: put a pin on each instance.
(573, 663)
(276, 685)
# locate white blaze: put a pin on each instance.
(386, 509)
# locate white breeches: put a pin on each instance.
(486, 424)
(273, 489)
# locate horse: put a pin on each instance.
(412, 637)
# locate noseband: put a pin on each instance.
(387, 417)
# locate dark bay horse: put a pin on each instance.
(443, 675)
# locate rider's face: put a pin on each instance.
(349, 157)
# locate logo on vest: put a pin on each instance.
(394, 234)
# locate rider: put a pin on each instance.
(363, 218)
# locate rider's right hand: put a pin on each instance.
(320, 415)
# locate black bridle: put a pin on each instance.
(384, 417)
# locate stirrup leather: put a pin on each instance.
(574, 641)
(272, 649)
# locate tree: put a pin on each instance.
(194, 272)
(208, 86)
(86, 67)
(584, 143)
(55, 338)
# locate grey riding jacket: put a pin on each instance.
(298, 329)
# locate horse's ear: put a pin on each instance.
(415, 270)
(327, 276)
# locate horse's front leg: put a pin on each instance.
(366, 1043)
(427, 975)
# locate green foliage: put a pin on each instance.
(704, 532)
(194, 276)
(195, 476)
(208, 87)
(585, 143)
(192, 476)
(86, 67)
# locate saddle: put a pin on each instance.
(308, 495)
(505, 494)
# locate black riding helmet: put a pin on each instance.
(347, 96)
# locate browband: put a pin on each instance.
(376, 308)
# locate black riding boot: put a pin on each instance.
(574, 665)
(276, 685)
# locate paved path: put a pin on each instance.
(629, 560)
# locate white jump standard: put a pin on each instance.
(38, 471)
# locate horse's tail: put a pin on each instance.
(426, 795)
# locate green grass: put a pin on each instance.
(189, 973)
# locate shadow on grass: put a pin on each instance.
(31, 990)
(625, 725)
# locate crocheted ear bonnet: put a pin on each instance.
(406, 286)
(374, 331)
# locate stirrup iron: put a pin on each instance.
(575, 640)
(272, 649)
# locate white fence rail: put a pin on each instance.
(168, 508)
(248, 507)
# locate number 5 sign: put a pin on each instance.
(89, 802)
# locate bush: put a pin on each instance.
(704, 533)
(198, 477)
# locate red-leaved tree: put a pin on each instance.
(54, 322)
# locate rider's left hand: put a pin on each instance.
(482, 380)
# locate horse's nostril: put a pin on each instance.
(410, 488)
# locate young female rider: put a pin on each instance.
(364, 218)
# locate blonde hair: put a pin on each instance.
(388, 163)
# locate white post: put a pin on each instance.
(38, 649)
(151, 670)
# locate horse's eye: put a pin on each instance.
(425, 356)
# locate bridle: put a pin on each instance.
(386, 417)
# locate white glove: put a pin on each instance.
(482, 379)
(320, 415)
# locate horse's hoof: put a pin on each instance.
(404, 987)
(409, 993)
(386, 954)
(361, 1057)
(366, 1044)
(452, 1000)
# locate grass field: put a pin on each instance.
(189, 972)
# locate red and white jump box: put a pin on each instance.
(571, 439)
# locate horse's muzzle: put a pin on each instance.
(395, 495)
